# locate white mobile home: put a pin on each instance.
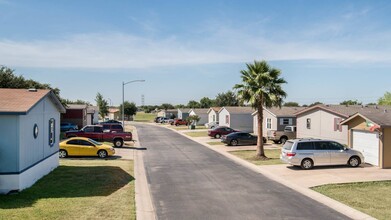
(183, 113)
(213, 114)
(238, 118)
(29, 137)
(202, 113)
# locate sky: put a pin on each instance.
(327, 51)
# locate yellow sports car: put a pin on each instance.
(80, 146)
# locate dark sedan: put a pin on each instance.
(240, 138)
(220, 131)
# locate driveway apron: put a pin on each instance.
(190, 181)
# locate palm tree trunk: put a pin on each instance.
(260, 150)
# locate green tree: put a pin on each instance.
(291, 104)
(385, 100)
(102, 104)
(261, 87)
(315, 103)
(130, 109)
(193, 119)
(166, 106)
(78, 102)
(206, 102)
(193, 104)
(180, 106)
(350, 102)
(227, 99)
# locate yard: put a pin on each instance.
(197, 133)
(213, 143)
(373, 198)
(273, 154)
(183, 127)
(77, 189)
(144, 117)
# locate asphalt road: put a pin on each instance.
(189, 181)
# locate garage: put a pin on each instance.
(368, 144)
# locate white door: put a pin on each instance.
(368, 144)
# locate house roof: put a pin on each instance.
(238, 109)
(380, 117)
(283, 111)
(21, 101)
(76, 106)
(113, 110)
(199, 111)
(184, 110)
(216, 109)
(92, 109)
(345, 111)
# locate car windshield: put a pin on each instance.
(288, 145)
(94, 142)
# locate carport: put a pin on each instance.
(370, 133)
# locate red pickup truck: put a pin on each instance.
(97, 133)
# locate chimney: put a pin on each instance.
(32, 90)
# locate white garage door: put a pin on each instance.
(368, 144)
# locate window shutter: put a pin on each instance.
(281, 121)
(335, 124)
(339, 125)
(290, 121)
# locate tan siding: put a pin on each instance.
(387, 148)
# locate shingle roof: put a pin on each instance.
(76, 106)
(347, 110)
(239, 110)
(184, 110)
(22, 100)
(285, 111)
(215, 109)
(381, 117)
(199, 111)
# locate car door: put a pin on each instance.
(321, 153)
(338, 154)
(87, 148)
(72, 147)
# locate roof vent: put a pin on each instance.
(32, 90)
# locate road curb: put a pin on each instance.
(337, 206)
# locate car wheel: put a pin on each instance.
(354, 161)
(283, 140)
(213, 127)
(62, 153)
(234, 142)
(102, 153)
(118, 143)
(176, 125)
(264, 140)
(217, 136)
(276, 142)
(307, 164)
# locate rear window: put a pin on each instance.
(117, 127)
(305, 146)
(288, 145)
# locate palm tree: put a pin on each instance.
(261, 87)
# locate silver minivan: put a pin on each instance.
(308, 153)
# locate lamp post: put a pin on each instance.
(123, 97)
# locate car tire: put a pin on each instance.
(217, 136)
(234, 142)
(176, 124)
(62, 154)
(276, 142)
(354, 161)
(283, 140)
(213, 127)
(307, 164)
(102, 154)
(264, 140)
(118, 143)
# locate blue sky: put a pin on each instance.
(328, 51)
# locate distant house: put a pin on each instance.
(92, 115)
(213, 114)
(276, 119)
(370, 133)
(323, 121)
(200, 112)
(169, 113)
(29, 137)
(238, 118)
(113, 113)
(183, 113)
(76, 114)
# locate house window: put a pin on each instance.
(227, 119)
(285, 121)
(35, 131)
(308, 123)
(52, 132)
(268, 123)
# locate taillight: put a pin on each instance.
(290, 154)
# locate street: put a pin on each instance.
(189, 181)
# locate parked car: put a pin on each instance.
(111, 122)
(282, 136)
(80, 146)
(97, 133)
(66, 126)
(177, 122)
(113, 127)
(157, 119)
(163, 120)
(212, 125)
(220, 131)
(240, 138)
(308, 153)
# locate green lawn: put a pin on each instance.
(215, 143)
(373, 198)
(77, 189)
(144, 117)
(197, 133)
(273, 154)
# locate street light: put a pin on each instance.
(123, 96)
